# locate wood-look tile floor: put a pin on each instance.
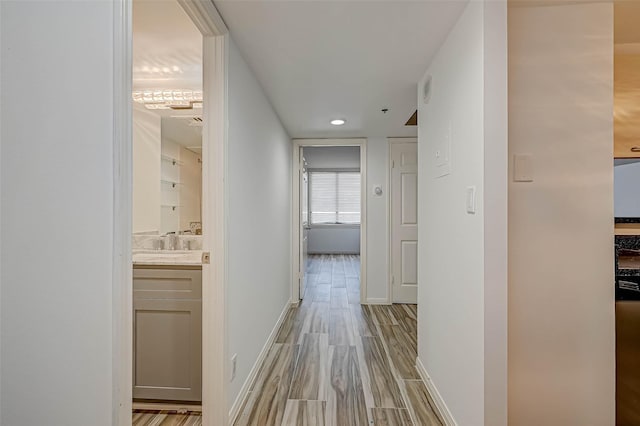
(335, 362)
(165, 418)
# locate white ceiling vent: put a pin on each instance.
(196, 122)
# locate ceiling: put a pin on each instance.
(177, 129)
(167, 47)
(320, 60)
(167, 54)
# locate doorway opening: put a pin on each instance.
(329, 234)
(162, 93)
(331, 217)
(167, 92)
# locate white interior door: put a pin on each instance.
(304, 224)
(404, 222)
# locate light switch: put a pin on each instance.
(471, 199)
(523, 168)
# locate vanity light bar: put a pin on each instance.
(166, 99)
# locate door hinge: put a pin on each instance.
(393, 164)
(393, 279)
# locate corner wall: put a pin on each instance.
(462, 284)
(259, 218)
(57, 213)
(378, 221)
(561, 249)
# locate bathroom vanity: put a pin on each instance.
(167, 325)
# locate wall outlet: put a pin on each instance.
(234, 358)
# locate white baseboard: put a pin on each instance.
(441, 407)
(377, 301)
(244, 391)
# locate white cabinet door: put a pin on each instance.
(404, 222)
(167, 334)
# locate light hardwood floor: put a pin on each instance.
(165, 418)
(335, 362)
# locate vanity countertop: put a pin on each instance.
(167, 257)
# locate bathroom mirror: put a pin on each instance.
(167, 171)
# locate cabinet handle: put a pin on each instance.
(635, 149)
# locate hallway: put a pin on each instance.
(335, 362)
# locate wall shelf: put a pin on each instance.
(170, 206)
(170, 182)
(172, 160)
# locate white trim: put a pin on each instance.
(391, 142)
(295, 219)
(441, 406)
(122, 284)
(253, 374)
(215, 365)
(214, 339)
(205, 17)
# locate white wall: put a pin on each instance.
(259, 218)
(334, 239)
(332, 157)
(377, 221)
(496, 208)
(57, 213)
(146, 170)
(468, 102)
(561, 256)
(626, 190)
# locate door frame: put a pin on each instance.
(391, 142)
(214, 204)
(295, 217)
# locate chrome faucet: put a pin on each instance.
(170, 241)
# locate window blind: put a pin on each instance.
(334, 197)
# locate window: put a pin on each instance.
(334, 197)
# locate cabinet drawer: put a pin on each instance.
(152, 283)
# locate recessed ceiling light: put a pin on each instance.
(337, 122)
